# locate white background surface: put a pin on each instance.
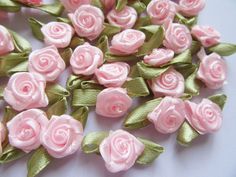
(209, 156)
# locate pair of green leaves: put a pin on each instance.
(92, 141)
(187, 134)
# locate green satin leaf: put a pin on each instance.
(9, 113)
(22, 67)
(55, 92)
(97, 3)
(36, 26)
(134, 72)
(110, 30)
(11, 60)
(10, 154)
(91, 84)
(2, 87)
(186, 134)
(81, 114)
(38, 162)
(9, 6)
(192, 85)
(120, 4)
(92, 141)
(219, 99)
(186, 21)
(73, 82)
(223, 49)
(64, 20)
(146, 2)
(183, 58)
(58, 108)
(136, 87)
(149, 72)
(186, 69)
(154, 42)
(186, 96)
(138, 6)
(142, 21)
(86, 97)
(115, 58)
(195, 48)
(21, 44)
(66, 55)
(151, 152)
(76, 41)
(55, 9)
(138, 117)
(103, 44)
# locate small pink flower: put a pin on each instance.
(72, 5)
(46, 62)
(125, 19)
(113, 74)
(170, 83)
(207, 35)
(88, 21)
(108, 4)
(63, 136)
(168, 116)
(86, 59)
(25, 129)
(25, 91)
(212, 70)
(31, 2)
(161, 12)
(205, 117)
(159, 57)
(177, 38)
(120, 150)
(6, 41)
(191, 7)
(113, 102)
(58, 34)
(127, 42)
(2, 135)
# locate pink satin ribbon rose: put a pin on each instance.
(170, 83)
(63, 136)
(177, 38)
(58, 34)
(191, 8)
(47, 62)
(159, 57)
(120, 150)
(113, 102)
(25, 129)
(72, 5)
(6, 41)
(113, 74)
(127, 42)
(87, 21)
(212, 70)
(25, 91)
(207, 35)
(86, 59)
(205, 117)
(2, 135)
(168, 116)
(125, 18)
(161, 12)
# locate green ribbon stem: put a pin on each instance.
(189, 22)
(21, 44)
(58, 108)
(81, 114)
(116, 58)
(9, 6)
(22, 67)
(192, 85)
(138, 117)
(36, 28)
(55, 9)
(84, 97)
